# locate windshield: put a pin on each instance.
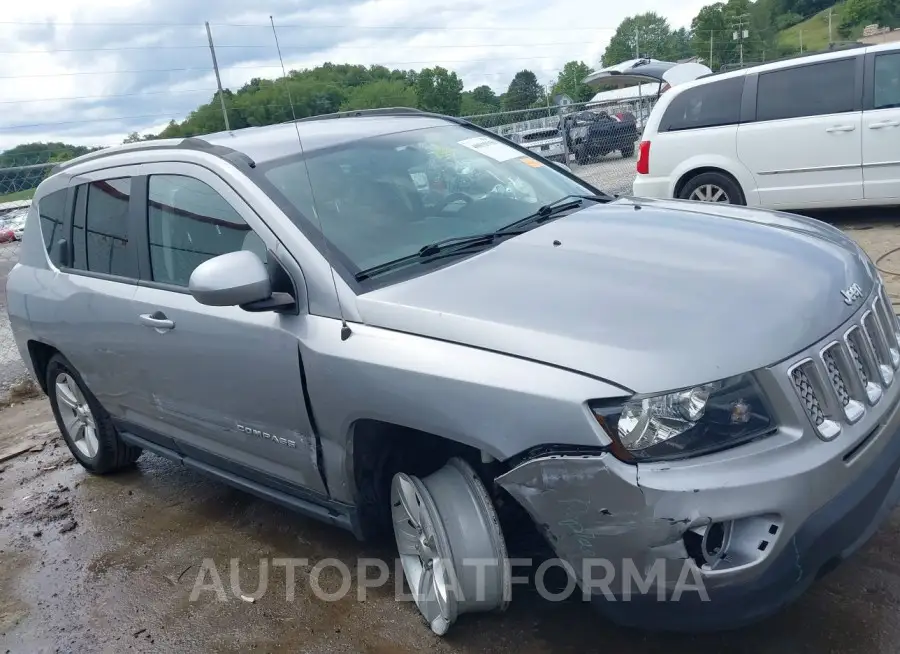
(386, 197)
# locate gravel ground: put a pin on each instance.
(91, 564)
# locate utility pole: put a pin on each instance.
(711, 32)
(830, 40)
(801, 41)
(739, 33)
(212, 51)
(637, 43)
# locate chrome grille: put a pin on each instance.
(837, 379)
(808, 397)
(856, 354)
(836, 384)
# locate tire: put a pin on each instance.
(95, 443)
(581, 155)
(628, 151)
(712, 185)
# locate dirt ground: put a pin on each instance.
(108, 564)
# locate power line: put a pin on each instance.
(110, 96)
(433, 62)
(288, 47)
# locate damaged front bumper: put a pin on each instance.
(781, 514)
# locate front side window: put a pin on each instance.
(813, 90)
(52, 209)
(106, 227)
(887, 81)
(709, 105)
(188, 223)
(386, 197)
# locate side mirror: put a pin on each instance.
(232, 279)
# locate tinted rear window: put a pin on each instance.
(814, 90)
(52, 209)
(708, 105)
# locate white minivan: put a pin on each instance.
(816, 131)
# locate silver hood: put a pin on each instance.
(652, 295)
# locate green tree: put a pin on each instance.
(571, 81)
(643, 35)
(524, 91)
(439, 90)
(861, 12)
(381, 93)
(485, 95)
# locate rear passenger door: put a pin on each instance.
(881, 126)
(93, 323)
(225, 383)
(805, 145)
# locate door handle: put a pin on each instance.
(158, 321)
(886, 123)
(841, 128)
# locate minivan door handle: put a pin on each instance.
(841, 128)
(886, 123)
(158, 321)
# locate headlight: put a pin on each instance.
(688, 422)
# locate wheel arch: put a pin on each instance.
(40, 354)
(688, 176)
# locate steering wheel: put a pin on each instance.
(454, 197)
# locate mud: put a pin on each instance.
(108, 564)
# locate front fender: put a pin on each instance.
(496, 403)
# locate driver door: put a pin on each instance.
(224, 383)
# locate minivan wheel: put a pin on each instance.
(84, 424)
(443, 523)
(712, 187)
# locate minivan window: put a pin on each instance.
(188, 223)
(812, 90)
(887, 81)
(386, 197)
(52, 210)
(106, 227)
(709, 105)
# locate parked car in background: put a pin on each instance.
(593, 134)
(7, 233)
(816, 131)
(16, 222)
(458, 344)
(545, 141)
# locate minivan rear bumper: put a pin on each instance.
(645, 186)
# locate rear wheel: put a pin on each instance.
(442, 523)
(84, 424)
(712, 187)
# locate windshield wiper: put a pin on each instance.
(437, 250)
(555, 208)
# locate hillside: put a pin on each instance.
(815, 31)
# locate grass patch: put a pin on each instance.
(815, 31)
(18, 195)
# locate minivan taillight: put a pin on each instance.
(643, 162)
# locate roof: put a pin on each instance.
(261, 144)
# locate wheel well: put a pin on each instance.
(382, 449)
(688, 176)
(41, 353)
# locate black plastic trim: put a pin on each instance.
(748, 98)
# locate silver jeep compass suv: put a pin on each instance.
(400, 323)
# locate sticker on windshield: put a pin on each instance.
(491, 148)
(534, 163)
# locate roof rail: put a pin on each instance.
(384, 111)
(190, 143)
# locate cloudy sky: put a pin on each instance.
(91, 71)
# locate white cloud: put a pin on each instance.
(91, 71)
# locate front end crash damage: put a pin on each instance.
(598, 520)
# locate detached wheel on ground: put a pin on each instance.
(443, 523)
(83, 423)
(712, 187)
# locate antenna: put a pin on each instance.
(345, 328)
